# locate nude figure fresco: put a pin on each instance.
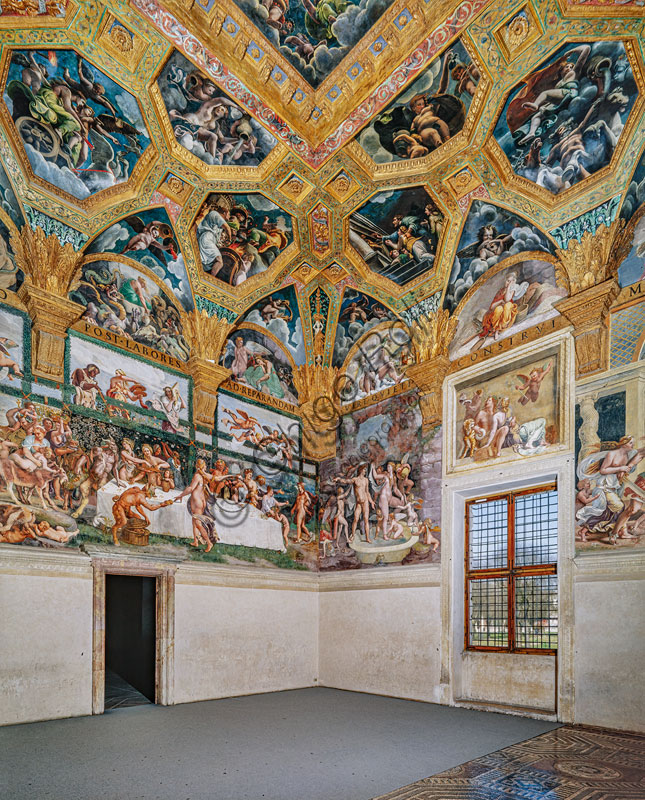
(381, 497)
(378, 362)
(206, 122)
(255, 360)
(563, 122)
(240, 235)
(397, 233)
(122, 387)
(314, 35)
(513, 413)
(253, 431)
(12, 347)
(489, 235)
(67, 479)
(506, 303)
(429, 112)
(81, 131)
(148, 237)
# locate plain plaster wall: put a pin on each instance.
(609, 642)
(45, 638)
(383, 638)
(234, 640)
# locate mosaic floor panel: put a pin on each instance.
(564, 764)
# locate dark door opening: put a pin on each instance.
(130, 640)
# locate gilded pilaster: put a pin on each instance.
(428, 378)
(318, 392)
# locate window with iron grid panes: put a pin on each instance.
(511, 572)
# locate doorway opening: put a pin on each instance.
(130, 640)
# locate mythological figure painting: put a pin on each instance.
(99, 377)
(378, 362)
(239, 236)
(206, 121)
(148, 237)
(428, 113)
(11, 276)
(610, 473)
(255, 360)
(562, 123)
(278, 313)
(397, 233)
(506, 303)
(490, 234)
(122, 300)
(314, 35)
(512, 413)
(359, 313)
(256, 432)
(11, 347)
(381, 496)
(81, 131)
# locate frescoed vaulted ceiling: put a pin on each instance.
(313, 169)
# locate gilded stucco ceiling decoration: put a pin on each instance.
(362, 161)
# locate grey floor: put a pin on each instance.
(319, 744)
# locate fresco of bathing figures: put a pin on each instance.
(510, 301)
(148, 237)
(377, 363)
(428, 113)
(12, 347)
(314, 35)
(490, 234)
(81, 131)
(253, 431)
(563, 122)
(358, 314)
(397, 233)
(122, 300)
(99, 376)
(68, 479)
(380, 498)
(240, 235)
(206, 122)
(257, 361)
(511, 413)
(279, 314)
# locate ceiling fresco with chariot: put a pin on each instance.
(312, 170)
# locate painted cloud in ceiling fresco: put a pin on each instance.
(632, 268)
(508, 302)
(314, 35)
(120, 299)
(206, 121)
(257, 361)
(397, 233)
(428, 113)
(563, 122)
(359, 313)
(278, 313)
(81, 131)
(148, 237)
(490, 234)
(240, 235)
